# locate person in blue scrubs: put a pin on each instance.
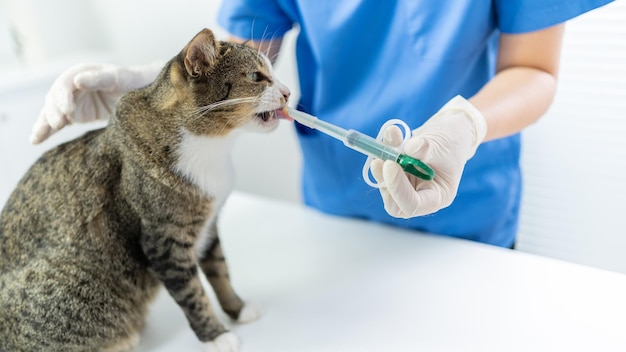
(362, 62)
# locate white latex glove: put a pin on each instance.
(445, 142)
(88, 92)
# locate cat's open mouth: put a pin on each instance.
(266, 116)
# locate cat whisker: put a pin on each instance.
(224, 103)
(273, 58)
(252, 28)
(268, 49)
(262, 40)
(201, 111)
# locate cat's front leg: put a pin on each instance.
(213, 264)
(173, 261)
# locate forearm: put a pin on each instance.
(514, 99)
(525, 83)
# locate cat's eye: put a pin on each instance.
(253, 76)
(257, 76)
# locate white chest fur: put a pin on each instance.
(206, 162)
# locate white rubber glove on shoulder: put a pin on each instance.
(445, 142)
(88, 92)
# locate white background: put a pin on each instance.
(574, 158)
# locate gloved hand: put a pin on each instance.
(445, 142)
(88, 92)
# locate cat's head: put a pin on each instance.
(225, 86)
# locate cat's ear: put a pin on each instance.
(201, 54)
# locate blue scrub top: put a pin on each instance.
(362, 62)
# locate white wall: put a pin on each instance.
(574, 158)
(8, 55)
(47, 30)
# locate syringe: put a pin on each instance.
(364, 144)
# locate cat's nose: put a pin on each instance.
(285, 92)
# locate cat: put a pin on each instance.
(97, 225)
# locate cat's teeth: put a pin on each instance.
(266, 115)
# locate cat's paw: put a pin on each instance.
(250, 312)
(226, 342)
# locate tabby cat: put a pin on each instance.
(98, 224)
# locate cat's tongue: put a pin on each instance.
(282, 113)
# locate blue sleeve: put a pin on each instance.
(254, 19)
(527, 16)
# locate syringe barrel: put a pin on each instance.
(370, 146)
(313, 122)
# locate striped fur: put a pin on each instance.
(99, 224)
